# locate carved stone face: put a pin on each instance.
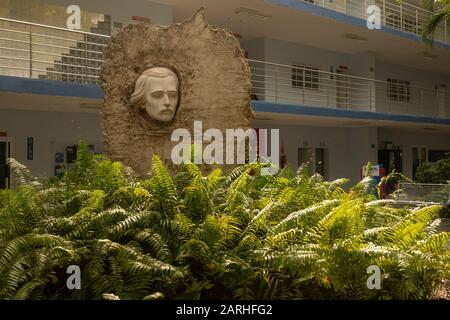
(157, 94)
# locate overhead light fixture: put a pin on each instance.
(253, 13)
(356, 123)
(90, 105)
(353, 36)
(431, 129)
(428, 55)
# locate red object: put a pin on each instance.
(140, 19)
(237, 35)
(3, 134)
(283, 158)
(257, 141)
(383, 186)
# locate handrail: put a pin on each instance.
(408, 17)
(333, 74)
(54, 28)
(52, 57)
(276, 82)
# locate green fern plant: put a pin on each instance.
(194, 236)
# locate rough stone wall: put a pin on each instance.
(214, 83)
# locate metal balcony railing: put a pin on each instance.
(400, 15)
(424, 193)
(312, 87)
(44, 52)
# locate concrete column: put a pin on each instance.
(442, 111)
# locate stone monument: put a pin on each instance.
(160, 78)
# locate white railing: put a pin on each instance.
(44, 52)
(400, 15)
(424, 192)
(39, 51)
(280, 83)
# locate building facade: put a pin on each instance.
(342, 95)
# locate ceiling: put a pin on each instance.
(38, 102)
(319, 121)
(296, 26)
(35, 102)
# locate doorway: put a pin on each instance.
(391, 159)
(6, 151)
(306, 157)
(419, 156)
(315, 159)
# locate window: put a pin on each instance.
(306, 158)
(436, 155)
(321, 162)
(398, 90)
(305, 77)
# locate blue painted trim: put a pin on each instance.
(328, 13)
(50, 87)
(69, 89)
(262, 106)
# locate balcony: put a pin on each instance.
(42, 52)
(396, 14)
(312, 87)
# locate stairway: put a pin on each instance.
(82, 63)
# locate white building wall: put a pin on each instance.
(52, 132)
(347, 149)
(255, 50)
(427, 96)
(278, 81)
(424, 98)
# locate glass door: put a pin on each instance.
(5, 153)
(419, 155)
(306, 157)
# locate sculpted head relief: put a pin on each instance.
(157, 94)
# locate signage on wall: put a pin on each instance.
(140, 19)
(30, 148)
(375, 172)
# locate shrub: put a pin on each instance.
(438, 172)
(194, 236)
